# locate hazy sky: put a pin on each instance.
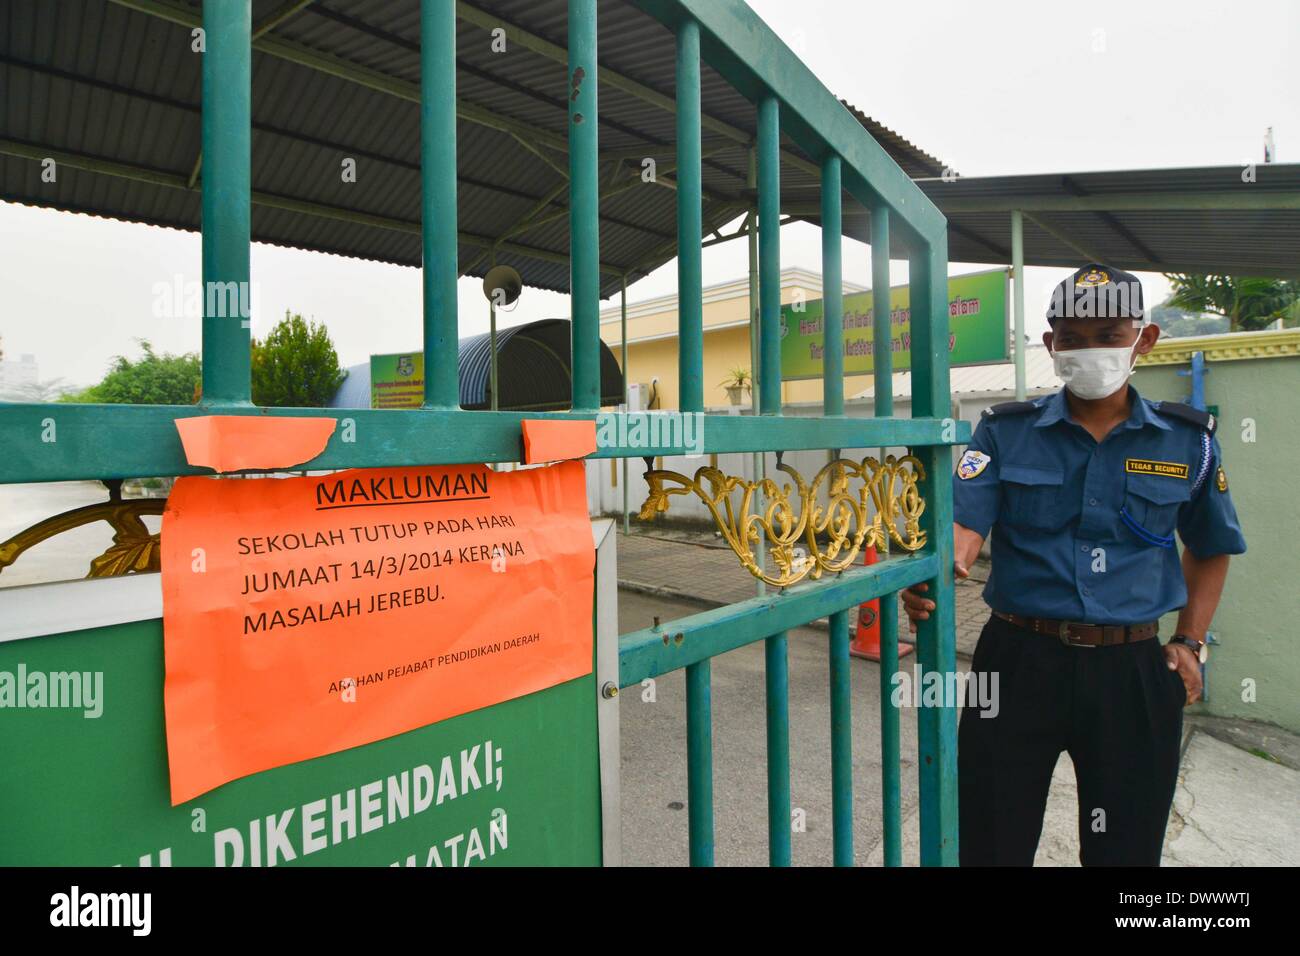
(989, 88)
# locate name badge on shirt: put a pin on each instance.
(1141, 466)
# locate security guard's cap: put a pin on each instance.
(1097, 291)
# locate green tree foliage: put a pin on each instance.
(1248, 303)
(151, 380)
(295, 366)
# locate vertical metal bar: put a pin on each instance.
(769, 282)
(841, 740)
(832, 289)
(227, 139)
(883, 367)
(690, 222)
(699, 762)
(833, 404)
(755, 339)
(584, 206)
(755, 315)
(438, 202)
(492, 340)
(881, 322)
(778, 750)
(769, 254)
(627, 519)
(1018, 294)
(690, 392)
(935, 642)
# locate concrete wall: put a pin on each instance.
(1258, 621)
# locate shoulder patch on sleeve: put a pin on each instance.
(1011, 408)
(1199, 418)
(972, 464)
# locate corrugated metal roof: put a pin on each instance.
(1206, 219)
(110, 83)
(915, 161)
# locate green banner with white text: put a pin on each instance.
(977, 328)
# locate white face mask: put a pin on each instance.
(1095, 373)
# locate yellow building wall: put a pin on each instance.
(725, 349)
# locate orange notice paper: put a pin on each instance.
(550, 439)
(303, 616)
(235, 442)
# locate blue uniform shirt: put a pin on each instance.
(1084, 531)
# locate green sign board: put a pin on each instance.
(86, 783)
(977, 328)
(397, 381)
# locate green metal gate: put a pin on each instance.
(109, 442)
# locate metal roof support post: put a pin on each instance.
(584, 206)
(1018, 297)
(882, 356)
(438, 227)
(936, 649)
(227, 191)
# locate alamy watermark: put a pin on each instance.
(924, 688)
(1119, 300)
(666, 430)
(76, 908)
(55, 690)
(179, 299)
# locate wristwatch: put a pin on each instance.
(1199, 648)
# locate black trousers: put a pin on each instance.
(1117, 710)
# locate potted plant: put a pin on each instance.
(739, 380)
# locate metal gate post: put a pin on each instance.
(438, 202)
(584, 206)
(936, 645)
(883, 407)
(227, 207)
(833, 404)
(769, 281)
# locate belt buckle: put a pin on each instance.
(1064, 634)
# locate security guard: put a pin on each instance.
(1083, 491)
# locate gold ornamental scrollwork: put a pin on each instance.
(135, 550)
(805, 538)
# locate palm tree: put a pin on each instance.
(1249, 303)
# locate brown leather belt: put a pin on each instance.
(1074, 634)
